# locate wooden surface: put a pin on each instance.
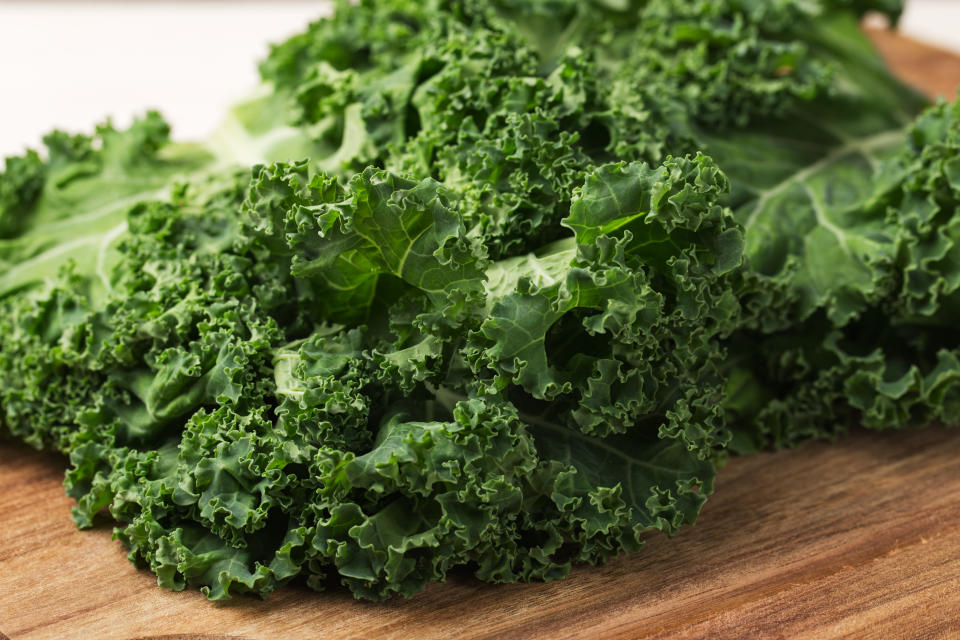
(934, 71)
(859, 539)
(826, 541)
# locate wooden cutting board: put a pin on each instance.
(858, 539)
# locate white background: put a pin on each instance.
(70, 64)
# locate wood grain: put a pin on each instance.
(826, 541)
(858, 539)
(934, 71)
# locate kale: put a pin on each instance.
(494, 285)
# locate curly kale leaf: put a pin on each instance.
(236, 452)
(512, 104)
(71, 206)
(363, 244)
(890, 358)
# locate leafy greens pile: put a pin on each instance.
(505, 283)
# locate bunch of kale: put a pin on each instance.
(507, 281)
